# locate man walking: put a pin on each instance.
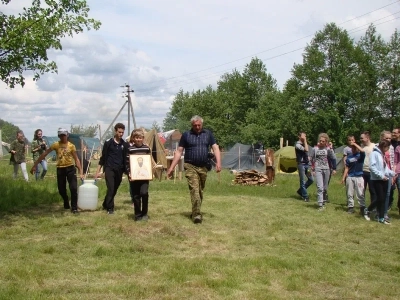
(303, 166)
(113, 161)
(196, 143)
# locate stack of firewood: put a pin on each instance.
(251, 177)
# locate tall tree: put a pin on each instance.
(391, 83)
(26, 38)
(370, 54)
(326, 78)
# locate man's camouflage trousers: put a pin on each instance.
(196, 178)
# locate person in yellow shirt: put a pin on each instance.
(66, 155)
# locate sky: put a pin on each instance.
(159, 47)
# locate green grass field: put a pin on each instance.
(254, 243)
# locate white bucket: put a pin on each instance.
(88, 194)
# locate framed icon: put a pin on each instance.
(140, 167)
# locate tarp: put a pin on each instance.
(285, 160)
(49, 140)
(157, 149)
(242, 157)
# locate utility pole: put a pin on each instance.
(130, 112)
(130, 108)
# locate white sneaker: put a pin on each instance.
(366, 217)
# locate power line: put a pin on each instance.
(273, 48)
(206, 76)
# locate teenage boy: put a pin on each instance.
(113, 162)
(66, 155)
(139, 189)
(353, 178)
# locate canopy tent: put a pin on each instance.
(285, 160)
(157, 149)
(242, 157)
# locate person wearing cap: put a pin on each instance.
(113, 162)
(66, 155)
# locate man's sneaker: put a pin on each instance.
(321, 208)
(387, 218)
(350, 210)
(383, 221)
(197, 219)
(145, 218)
(75, 211)
(110, 212)
(137, 218)
(306, 199)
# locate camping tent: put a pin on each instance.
(157, 149)
(285, 160)
(242, 157)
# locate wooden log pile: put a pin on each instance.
(251, 177)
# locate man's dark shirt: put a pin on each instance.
(116, 157)
(197, 146)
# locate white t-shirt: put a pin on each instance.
(368, 150)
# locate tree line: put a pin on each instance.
(342, 87)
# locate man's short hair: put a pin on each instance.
(367, 133)
(119, 125)
(196, 118)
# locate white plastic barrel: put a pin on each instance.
(88, 194)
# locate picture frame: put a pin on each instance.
(140, 167)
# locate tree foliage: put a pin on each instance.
(87, 131)
(8, 131)
(342, 87)
(25, 38)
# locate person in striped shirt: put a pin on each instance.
(139, 189)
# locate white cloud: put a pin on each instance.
(161, 46)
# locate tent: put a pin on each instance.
(285, 160)
(242, 157)
(151, 138)
(170, 139)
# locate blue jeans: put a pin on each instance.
(304, 173)
(43, 163)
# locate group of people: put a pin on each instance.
(117, 159)
(376, 166)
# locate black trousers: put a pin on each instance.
(367, 182)
(380, 187)
(139, 190)
(113, 180)
(64, 175)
